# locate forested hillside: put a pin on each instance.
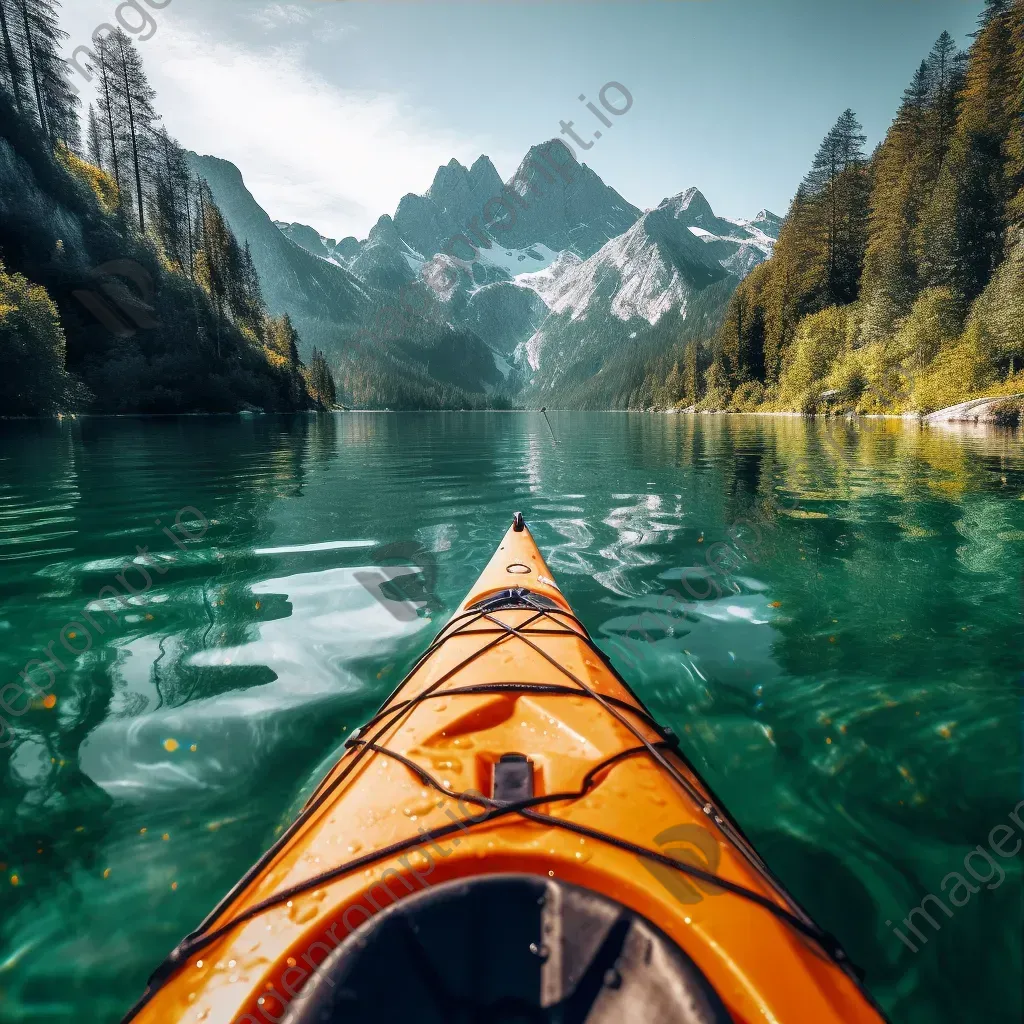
(121, 287)
(897, 283)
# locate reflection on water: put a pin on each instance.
(851, 686)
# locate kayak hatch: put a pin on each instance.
(511, 839)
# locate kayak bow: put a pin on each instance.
(512, 838)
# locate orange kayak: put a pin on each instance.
(512, 838)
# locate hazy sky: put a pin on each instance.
(334, 109)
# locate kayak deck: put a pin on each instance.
(512, 747)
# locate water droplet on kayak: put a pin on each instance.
(419, 807)
(418, 860)
(302, 914)
(541, 951)
(355, 846)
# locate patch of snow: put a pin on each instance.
(514, 262)
(545, 282)
(533, 350)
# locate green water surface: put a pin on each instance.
(851, 686)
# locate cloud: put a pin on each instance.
(276, 15)
(309, 150)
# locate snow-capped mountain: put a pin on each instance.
(739, 245)
(559, 276)
(644, 272)
(551, 206)
(674, 269)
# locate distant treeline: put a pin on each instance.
(122, 289)
(898, 280)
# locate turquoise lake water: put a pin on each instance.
(854, 692)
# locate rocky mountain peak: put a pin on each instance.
(384, 232)
(484, 178)
(448, 177)
(692, 208)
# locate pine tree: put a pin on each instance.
(946, 67)
(218, 255)
(102, 64)
(673, 386)
(94, 140)
(138, 115)
(992, 9)
(246, 298)
(962, 234)
(320, 380)
(291, 337)
(889, 283)
(691, 373)
(10, 66)
(59, 101)
(1015, 114)
(34, 73)
(32, 62)
(838, 188)
(170, 202)
(741, 340)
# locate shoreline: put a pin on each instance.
(921, 419)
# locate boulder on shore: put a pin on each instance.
(1001, 410)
